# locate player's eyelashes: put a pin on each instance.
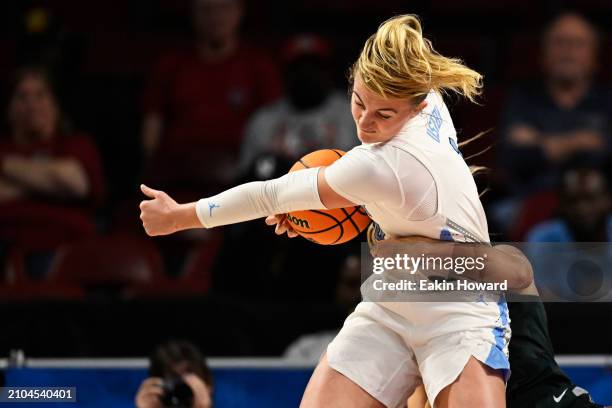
(380, 115)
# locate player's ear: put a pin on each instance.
(420, 107)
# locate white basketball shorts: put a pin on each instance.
(388, 349)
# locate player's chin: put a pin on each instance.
(367, 137)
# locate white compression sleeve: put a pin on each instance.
(294, 191)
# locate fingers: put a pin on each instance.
(149, 192)
(285, 227)
(282, 225)
(289, 228)
(272, 219)
(280, 228)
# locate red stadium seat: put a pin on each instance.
(115, 261)
(195, 278)
(40, 291)
(35, 226)
(14, 269)
(16, 287)
(201, 258)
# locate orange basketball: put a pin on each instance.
(327, 227)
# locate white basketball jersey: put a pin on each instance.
(431, 138)
(382, 177)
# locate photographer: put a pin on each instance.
(178, 377)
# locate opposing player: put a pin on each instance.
(410, 176)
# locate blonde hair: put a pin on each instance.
(397, 62)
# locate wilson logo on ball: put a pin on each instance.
(297, 221)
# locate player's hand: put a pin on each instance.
(149, 393)
(157, 215)
(282, 225)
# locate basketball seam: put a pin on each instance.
(337, 152)
(338, 223)
(334, 218)
(349, 217)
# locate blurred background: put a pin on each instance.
(194, 96)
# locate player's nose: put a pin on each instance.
(366, 120)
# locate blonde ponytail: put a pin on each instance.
(397, 62)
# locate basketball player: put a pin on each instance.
(410, 176)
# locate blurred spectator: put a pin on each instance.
(567, 114)
(178, 377)
(51, 178)
(585, 209)
(310, 116)
(198, 100)
(311, 347)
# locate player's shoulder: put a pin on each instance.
(370, 158)
(381, 158)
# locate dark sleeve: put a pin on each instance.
(520, 162)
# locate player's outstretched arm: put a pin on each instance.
(298, 190)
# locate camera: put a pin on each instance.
(176, 393)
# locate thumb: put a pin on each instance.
(149, 192)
